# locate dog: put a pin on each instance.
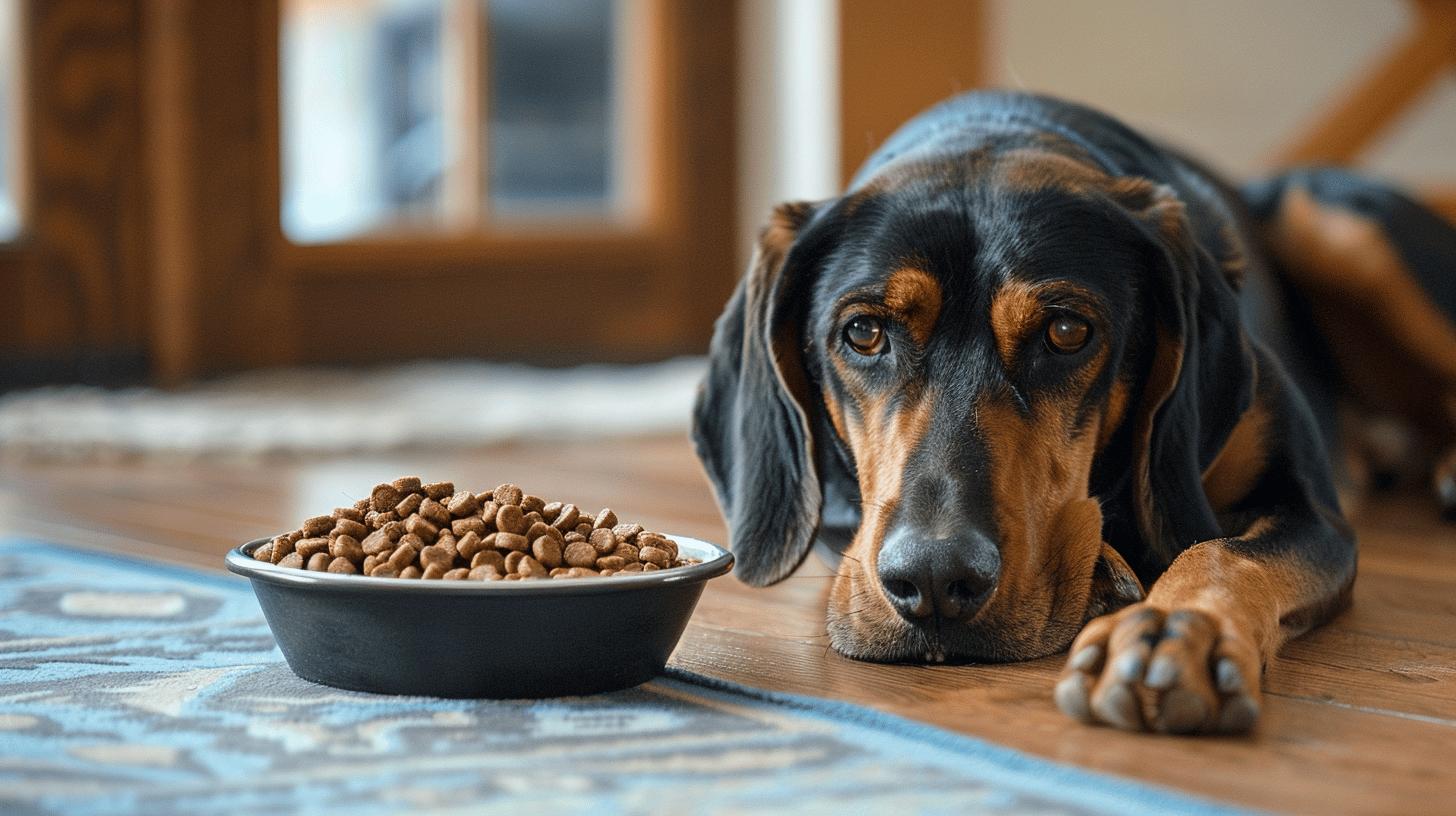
(1040, 381)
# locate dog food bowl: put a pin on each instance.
(498, 639)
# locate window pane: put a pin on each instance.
(362, 127)
(550, 129)
(9, 125)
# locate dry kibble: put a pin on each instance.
(409, 529)
(513, 561)
(462, 504)
(489, 558)
(439, 491)
(566, 519)
(580, 554)
(531, 568)
(603, 540)
(611, 562)
(408, 505)
(435, 513)
(308, 547)
(510, 519)
(317, 526)
(350, 527)
(547, 550)
(507, 494)
(421, 527)
(511, 541)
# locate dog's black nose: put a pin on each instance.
(947, 577)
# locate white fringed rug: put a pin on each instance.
(320, 411)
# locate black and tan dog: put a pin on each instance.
(1032, 363)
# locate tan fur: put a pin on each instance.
(913, 295)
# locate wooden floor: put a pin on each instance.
(1360, 716)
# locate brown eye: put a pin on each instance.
(865, 335)
(1066, 334)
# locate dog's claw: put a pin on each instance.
(1180, 673)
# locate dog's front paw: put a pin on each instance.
(1180, 672)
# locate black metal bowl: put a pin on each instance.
(500, 639)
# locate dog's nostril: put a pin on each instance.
(907, 597)
(902, 591)
(960, 591)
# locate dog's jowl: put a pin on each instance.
(1045, 385)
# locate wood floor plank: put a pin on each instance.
(1360, 715)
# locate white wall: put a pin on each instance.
(1230, 79)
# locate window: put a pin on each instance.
(429, 116)
(9, 119)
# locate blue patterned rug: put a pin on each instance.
(133, 688)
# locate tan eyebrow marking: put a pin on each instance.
(915, 297)
(1013, 309)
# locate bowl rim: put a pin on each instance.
(240, 560)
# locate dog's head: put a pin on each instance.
(947, 375)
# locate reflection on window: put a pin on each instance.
(550, 130)
(9, 126)
(419, 115)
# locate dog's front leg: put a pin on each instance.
(1189, 658)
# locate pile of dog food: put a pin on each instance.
(407, 529)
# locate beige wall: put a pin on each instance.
(1229, 79)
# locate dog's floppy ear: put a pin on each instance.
(1200, 379)
(751, 424)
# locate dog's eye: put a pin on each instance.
(865, 335)
(1066, 334)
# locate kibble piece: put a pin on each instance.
(550, 511)
(407, 484)
(403, 556)
(412, 541)
(532, 504)
(457, 574)
(531, 568)
(566, 519)
(265, 552)
(539, 529)
(421, 527)
(374, 519)
(370, 562)
(343, 566)
(650, 568)
(603, 540)
(435, 513)
(511, 541)
(317, 526)
(375, 542)
(653, 555)
(411, 571)
(513, 561)
(533, 518)
(626, 552)
(408, 505)
(383, 498)
(627, 532)
(489, 558)
(511, 577)
(319, 561)
(585, 527)
(308, 547)
(507, 494)
(547, 550)
(510, 519)
(468, 545)
(484, 572)
(611, 562)
(355, 513)
(384, 571)
(606, 518)
(439, 491)
(350, 527)
(559, 572)
(580, 554)
(293, 561)
(282, 548)
(572, 537)
(435, 555)
(582, 572)
(470, 524)
(632, 567)
(671, 547)
(433, 572)
(462, 504)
